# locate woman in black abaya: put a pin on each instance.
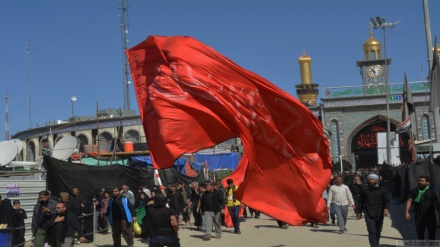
(7, 216)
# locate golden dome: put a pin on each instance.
(372, 42)
(304, 59)
(372, 48)
(438, 50)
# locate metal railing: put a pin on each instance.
(93, 233)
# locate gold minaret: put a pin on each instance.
(307, 91)
(372, 48)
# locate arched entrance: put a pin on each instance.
(30, 148)
(364, 142)
(105, 142)
(82, 139)
(131, 136)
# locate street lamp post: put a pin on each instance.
(73, 99)
(382, 24)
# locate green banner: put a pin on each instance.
(140, 214)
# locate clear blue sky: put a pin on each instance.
(75, 46)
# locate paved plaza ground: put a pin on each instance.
(264, 232)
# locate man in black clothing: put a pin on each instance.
(164, 223)
(43, 210)
(62, 227)
(375, 203)
(75, 201)
(176, 200)
(356, 188)
(121, 215)
(211, 205)
(425, 203)
(195, 197)
(65, 199)
(20, 215)
(183, 188)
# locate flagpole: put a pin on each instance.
(427, 32)
(434, 81)
(430, 139)
(156, 173)
(435, 112)
(430, 62)
(382, 24)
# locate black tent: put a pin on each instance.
(66, 176)
(410, 173)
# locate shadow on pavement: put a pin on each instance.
(145, 241)
(198, 236)
(381, 237)
(398, 221)
(266, 226)
(325, 230)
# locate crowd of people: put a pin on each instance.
(64, 219)
(369, 195)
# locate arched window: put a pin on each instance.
(132, 136)
(334, 127)
(105, 141)
(373, 54)
(30, 148)
(82, 140)
(44, 145)
(426, 129)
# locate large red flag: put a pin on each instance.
(191, 97)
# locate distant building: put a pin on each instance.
(94, 133)
(355, 114)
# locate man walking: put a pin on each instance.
(126, 192)
(121, 215)
(233, 205)
(356, 188)
(42, 213)
(339, 196)
(176, 201)
(375, 203)
(164, 223)
(211, 205)
(425, 203)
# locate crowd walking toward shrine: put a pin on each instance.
(159, 214)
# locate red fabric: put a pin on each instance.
(189, 171)
(228, 218)
(191, 97)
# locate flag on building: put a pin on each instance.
(191, 97)
(407, 108)
(405, 126)
(408, 103)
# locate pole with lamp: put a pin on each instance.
(382, 24)
(73, 99)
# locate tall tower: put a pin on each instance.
(307, 91)
(6, 119)
(373, 65)
(29, 83)
(124, 40)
